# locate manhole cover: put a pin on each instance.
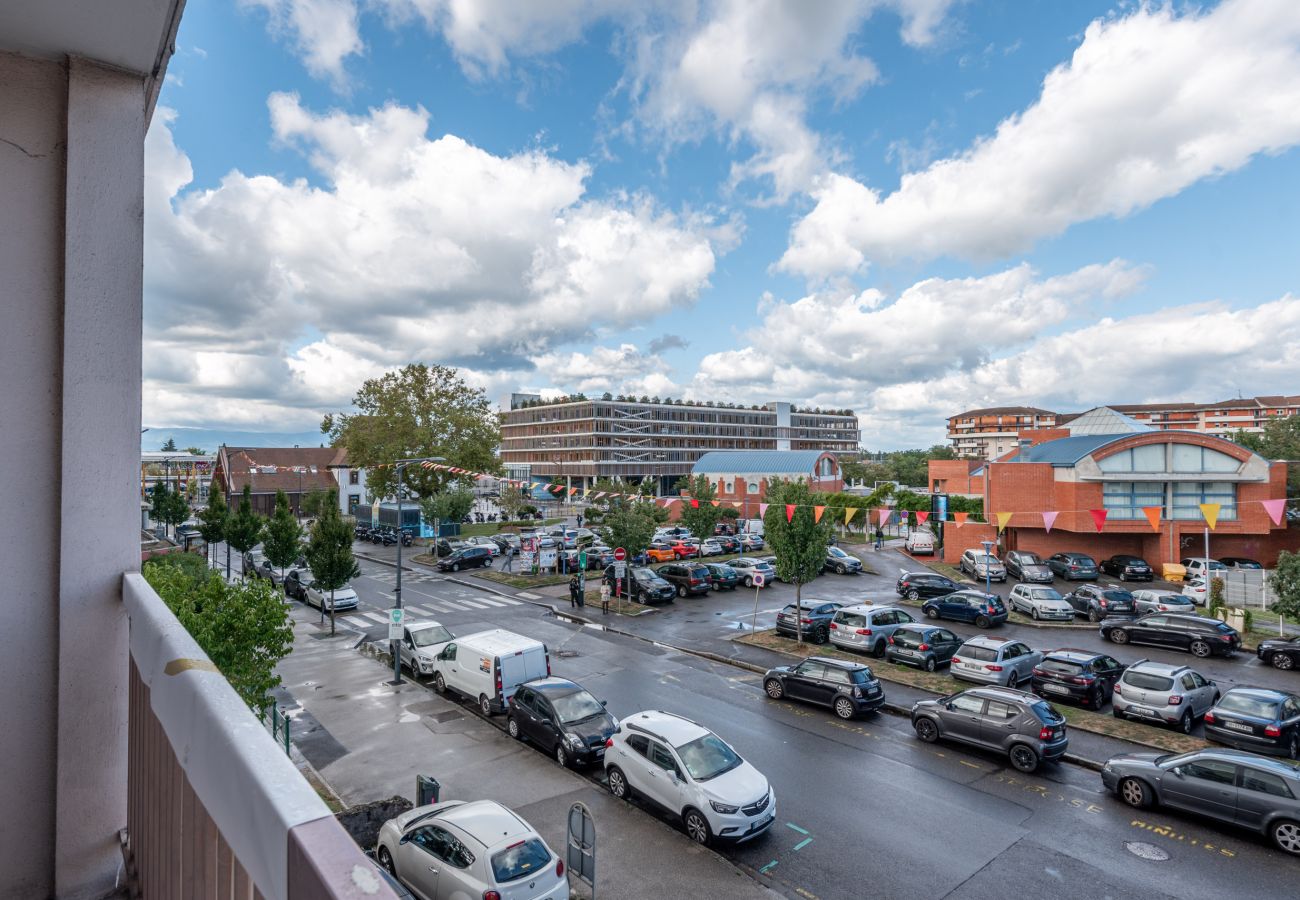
(1143, 850)
(566, 654)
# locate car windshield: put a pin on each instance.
(836, 551)
(1249, 706)
(426, 637)
(1047, 713)
(700, 572)
(861, 676)
(984, 560)
(708, 757)
(1122, 596)
(1028, 559)
(1045, 594)
(576, 707)
(644, 574)
(528, 857)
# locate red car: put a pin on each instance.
(684, 549)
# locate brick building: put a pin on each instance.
(741, 475)
(295, 470)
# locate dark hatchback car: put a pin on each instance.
(644, 586)
(984, 610)
(1198, 635)
(924, 646)
(563, 719)
(1019, 724)
(924, 585)
(1128, 568)
(1280, 653)
(1073, 566)
(729, 543)
(815, 623)
(841, 563)
(1257, 719)
(1080, 676)
(1228, 785)
(466, 558)
(1098, 602)
(1027, 567)
(1240, 562)
(722, 576)
(686, 578)
(849, 688)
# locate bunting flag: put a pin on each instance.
(921, 516)
(572, 491)
(695, 504)
(716, 502)
(789, 512)
(884, 515)
(1275, 509)
(738, 504)
(817, 513)
(1153, 516)
(849, 513)
(1211, 513)
(762, 510)
(1003, 519)
(959, 518)
(1098, 517)
(1049, 519)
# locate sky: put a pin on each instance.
(904, 207)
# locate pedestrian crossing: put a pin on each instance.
(431, 608)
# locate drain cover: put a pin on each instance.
(566, 654)
(1143, 850)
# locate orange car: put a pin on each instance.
(685, 549)
(660, 552)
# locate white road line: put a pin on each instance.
(528, 596)
(489, 602)
(375, 617)
(473, 604)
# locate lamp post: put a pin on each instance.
(988, 552)
(401, 465)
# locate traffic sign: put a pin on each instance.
(582, 559)
(620, 569)
(759, 579)
(620, 554)
(395, 624)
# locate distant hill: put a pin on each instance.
(210, 439)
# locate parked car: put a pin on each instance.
(747, 567)
(252, 562)
(661, 551)
(1265, 790)
(867, 628)
(1128, 568)
(849, 688)
(296, 581)
(1198, 566)
(924, 646)
(1027, 567)
(1158, 692)
(924, 585)
(1280, 653)
(488, 543)
(466, 558)
(1155, 600)
(814, 622)
(920, 542)
(1196, 591)
(448, 547)
(690, 772)
(1240, 562)
(1073, 566)
(1024, 727)
(981, 566)
(1040, 602)
(995, 660)
(722, 576)
(1081, 676)
(685, 548)
(984, 610)
(644, 585)
(750, 542)
(841, 563)
(508, 540)
(729, 543)
(488, 666)
(710, 548)
(1197, 635)
(686, 578)
(1257, 719)
(421, 643)
(338, 599)
(476, 849)
(563, 719)
(1097, 602)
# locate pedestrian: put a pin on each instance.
(573, 592)
(604, 596)
(579, 520)
(510, 559)
(880, 538)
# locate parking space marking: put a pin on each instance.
(804, 843)
(796, 827)
(971, 764)
(1168, 831)
(769, 867)
(1045, 794)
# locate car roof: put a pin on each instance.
(868, 607)
(1260, 693)
(554, 686)
(994, 692)
(1282, 767)
(1072, 654)
(487, 821)
(670, 727)
(1159, 668)
(838, 663)
(496, 641)
(423, 623)
(988, 640)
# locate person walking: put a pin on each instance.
(573, 592)
(510, 559)
(604, 596)
(880, 538)
(579, 520)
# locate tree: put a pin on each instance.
(244, 528)
(213, 518)
(630, 525)
(283, 535)
(700, 517)
(243, 628)
(512, 502)
(329, 554)
(1281, 440)
(168, 506)
(196, 451)
(449, 505)
(313, 503)
(417, 411)
(170, 446)
(1285, 582)
(798, 542)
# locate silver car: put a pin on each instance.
(1149, 601)
(1039, 602)
(995, 660)
(1168, 695)
(867, 628)
(980, 565)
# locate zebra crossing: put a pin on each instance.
(434, 607)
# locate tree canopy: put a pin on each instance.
(1285, 582)
(798, 541)
(244, 528)
(283, 536)
(450, 504)
(329, 553)
(700, 517)
(1279, 440)
(627, 524)
(212, 519)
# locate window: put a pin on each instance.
(1189, 495)
(640, 743)
(811, 670)
(1147, 458)
(852, 620)
(354, 477)
(999, 710)
(354, 500)
(836, 675)
(1192, 458)
(527, 857)
(660, 756)
(752, 487)
(1264, 782)
(1125, 499)
(968, 704)
(1210, 770)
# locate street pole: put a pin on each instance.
(988, 552)
(397, 590)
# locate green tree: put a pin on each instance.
(630, 525)
(243, 628)
(196, 451)
(314, 502)
(329, 554)
(283, 537)
(700, 517)
(417, 411)
(1281, 440)
(799, 542)
(1285, 582)
(212, 520)
(449, 505)
(511, 501)
(170, 446)
(244, 528)
(168, 507)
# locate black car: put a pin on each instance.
(1097, 602)
(923, 585)
(1240, 562)
(563, 719)
(1198, 635)
(1073, 566)
(722, 576)
(1280, 653)
(295, 583)
(841, 563)
(466, 558)
(1128, 568)
(1079, 675)
(925, 646)
(1027, 567)
(686, 577)
(1257, 719)
(644, 586)
(814, 623)
(848, 688)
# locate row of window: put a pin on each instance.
(1181, 458)
(1178, 500)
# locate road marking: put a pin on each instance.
(489, 602)
(971, 764)
(809, 895)
(1168, 832)
(528, 596)
(767, 868)
(473, 604)
(804, 843)
(376, 618)
(796, 827)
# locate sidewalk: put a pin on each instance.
(368, 741)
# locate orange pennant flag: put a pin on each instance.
(1211, 513)
(789, 512)
(1153, 516)
(959, 518)
(849, 513)
(817, 513)
(716, 502)
(1003, 519)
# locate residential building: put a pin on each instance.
(744, 475)
(132, 768)
(295, 470)
(577, 441)
(986, 433)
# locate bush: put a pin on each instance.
(190, 565)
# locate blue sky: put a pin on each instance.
(907, 207)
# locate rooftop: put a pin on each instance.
(766, 462)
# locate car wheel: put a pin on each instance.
(931, 612)
(561, 755)
(839, 570)
(1282, 661)
(681, 590)
(749, 582)
(772, 687)
(913, 594)
(930, 664)
(1117, 636)
(439, 684)
(1200, 649)
(1123, 577)
(1092, 615)
(1023, 758)
(926, 730)
(981, 621)
(1186, 722)
(844, 708)
(1135, 793)
(697, 827)
(455, 567)
(386, 860)
(512, 729)
(878, 651)
(821, 635)
(1286, 835)
(1293, 748)
(484, 705)
(618, 783)
(487, 563)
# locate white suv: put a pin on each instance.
(689, 771)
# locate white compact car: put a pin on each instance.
(421, 644)
(1040, 602)
(344, 597)
(455, 850)
(692, 773)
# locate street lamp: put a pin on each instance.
(988, 552)
(401, 465)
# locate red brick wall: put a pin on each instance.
(952, 476)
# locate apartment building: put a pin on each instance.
(988, 433)
(577, 441)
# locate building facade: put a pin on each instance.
(744, 475)
(577, 442)
(295, 470)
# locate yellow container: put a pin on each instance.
(1173, 572)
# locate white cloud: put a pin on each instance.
(325, 32)
(1150, 103)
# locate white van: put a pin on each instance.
(920, 542)
(754, 526)
(489, 665)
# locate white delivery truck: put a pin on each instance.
(920, 542)
(489, 665)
